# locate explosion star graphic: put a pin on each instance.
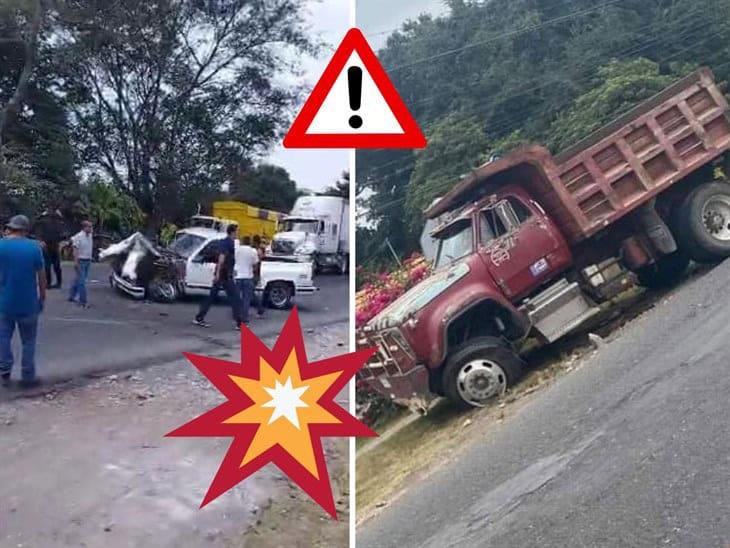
(278, 409)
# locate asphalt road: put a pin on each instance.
(119, 333)
(630, 450)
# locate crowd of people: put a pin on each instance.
(25, 276)
(30, 256)
(237, 273)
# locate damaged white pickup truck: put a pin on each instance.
(144, 271)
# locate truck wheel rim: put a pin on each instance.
(278, 296)
(479, 381)
(716, 217)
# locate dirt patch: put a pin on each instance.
(295, 521)
(88, 465)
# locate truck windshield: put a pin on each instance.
(185, 244)
(300, 226)
(454, 243)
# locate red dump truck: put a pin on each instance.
(531, 244)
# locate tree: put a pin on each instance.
(110, 209)
(620, 85)
(20, 26)
(341, 188)
(266, 186)
(518, 68)
(456, 145)
(169, 97)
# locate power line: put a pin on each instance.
(506, 123)
(660, 37)
(447, 18)
(588, 63)
(382, 207)
(513, 32)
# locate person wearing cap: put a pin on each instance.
(22, 294)
(83, 249)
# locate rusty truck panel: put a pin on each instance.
(619, 167)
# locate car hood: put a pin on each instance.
(418, 297)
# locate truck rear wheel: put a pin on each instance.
(479, 371)
(279, 295)
(665, 271)
(704, 223)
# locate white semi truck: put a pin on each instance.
(316, 231)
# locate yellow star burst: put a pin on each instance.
(295, 439)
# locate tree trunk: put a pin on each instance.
(31, 51)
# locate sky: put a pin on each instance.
(378, 18)
(312, 168)
(329, 19)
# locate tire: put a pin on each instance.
(665, 272)
(704, 223)
(476, 361)
(163, 292)
(279, 295)
(342, 269)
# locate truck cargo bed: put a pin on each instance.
(620, 166)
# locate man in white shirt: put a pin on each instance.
(246, 260)
(83, 248)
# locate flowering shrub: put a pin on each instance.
(384, 288)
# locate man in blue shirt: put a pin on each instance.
(22, 294)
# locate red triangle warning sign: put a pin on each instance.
(354, 105)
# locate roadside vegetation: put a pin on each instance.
(489, 76)
(137, 113)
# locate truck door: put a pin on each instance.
(519, 246)
(201, 266)
(326, 239)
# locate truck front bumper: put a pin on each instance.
(401, 388)
(306, 290)
(134, 291)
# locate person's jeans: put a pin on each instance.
(245, 288)
(79, 286)
(52, 258)
(28, 329)
(260, 301)
(230, 288)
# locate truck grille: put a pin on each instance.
(394, 356)
(282, 246)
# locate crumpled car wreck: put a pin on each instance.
(144, 271)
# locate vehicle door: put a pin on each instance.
(324, 237)
(201, 266)
(515, 242)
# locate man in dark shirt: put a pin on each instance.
(223, 279)
(50, 231)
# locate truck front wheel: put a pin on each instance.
(704, 223)
(479, 371)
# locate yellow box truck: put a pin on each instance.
(251, 220)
